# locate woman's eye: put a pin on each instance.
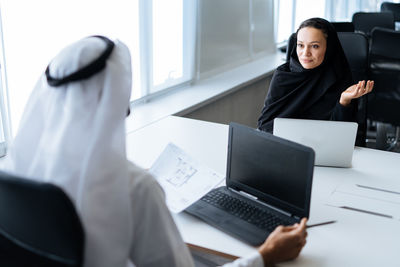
(300, 45)
(315, 46)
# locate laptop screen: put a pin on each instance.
(273, 169)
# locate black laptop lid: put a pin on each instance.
(273, 169)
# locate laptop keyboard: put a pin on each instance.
(244, 210)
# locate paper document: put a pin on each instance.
(183, 179)
(374, 199)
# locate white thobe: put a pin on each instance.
(155, 238)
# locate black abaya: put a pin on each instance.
(301, 93)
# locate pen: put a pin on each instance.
(367, 211)
(318, 224)
(378, 189)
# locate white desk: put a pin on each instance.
(357, 239)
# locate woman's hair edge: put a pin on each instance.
(316, 23)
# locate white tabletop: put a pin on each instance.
(356, 239)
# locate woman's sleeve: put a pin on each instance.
(345, 113)
(156, 240)
(252, 260)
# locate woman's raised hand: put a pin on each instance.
(355, 91)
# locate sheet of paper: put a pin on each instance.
(319, 214)
(183, 179)
(381, 198)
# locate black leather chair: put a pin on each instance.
(355, 46)
(366, 21)
(343, 26)
(290, 45)
(394, 8)
(38, 225)
(384, 100)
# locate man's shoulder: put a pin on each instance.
(142, 179)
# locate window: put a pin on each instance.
(167, 43)
(306, 9)
(5, 133)
(285, 26)
(292, 12)
(4, 121)
(159, 34)
(342, 10)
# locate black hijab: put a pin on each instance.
(301, 93)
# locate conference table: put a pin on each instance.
(357, 238)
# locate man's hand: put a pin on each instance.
(284, 243)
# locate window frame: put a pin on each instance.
(148, 89)
(5, 123)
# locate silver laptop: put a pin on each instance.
(332, 141)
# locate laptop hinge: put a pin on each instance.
(250, 196)
(247, 195)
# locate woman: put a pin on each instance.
(316, 82)
(73, 134)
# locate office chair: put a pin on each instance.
(290, 44)
(384, 100)
(343, 26)
(38, 225)
(366, 21)
(393, 8)
(355, 47)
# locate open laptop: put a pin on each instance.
(332, 141)
(268, 183)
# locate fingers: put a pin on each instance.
(299, 227)
(301, 232)
(289, 228)
(370, 85)
(297, 231)
(302, 226)
(363, 88)
(360, 88)
(356, 90)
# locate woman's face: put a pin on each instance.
(311, 47)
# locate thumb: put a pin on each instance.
(302, 226)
